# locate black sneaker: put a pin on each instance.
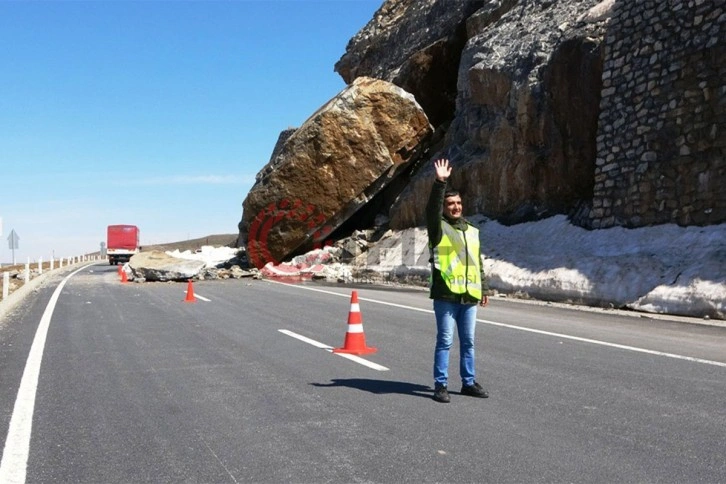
(441, 394)
(474, 390)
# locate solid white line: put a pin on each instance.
(537, 331)
(317, 344)
(605, 343)
(13, 466)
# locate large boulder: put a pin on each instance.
(327, 169)
(160, 266)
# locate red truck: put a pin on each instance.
(122, 242)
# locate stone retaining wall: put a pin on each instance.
(661, 144)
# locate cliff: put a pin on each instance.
(608, 112)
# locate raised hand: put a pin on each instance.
(443, 170)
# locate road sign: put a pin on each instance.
(13, 240)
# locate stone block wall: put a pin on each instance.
(661, 144)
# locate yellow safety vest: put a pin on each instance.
(457, 257)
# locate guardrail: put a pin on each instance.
(16, 276)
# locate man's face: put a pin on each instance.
(452, 207)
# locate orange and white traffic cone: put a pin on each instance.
(120, 269)
(124, 277)
(355, 338)
(190, 293)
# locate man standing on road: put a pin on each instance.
(456, 284)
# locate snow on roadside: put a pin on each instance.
(664, 269)
(212, 256)
(661, 269)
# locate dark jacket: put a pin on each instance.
(434, 219)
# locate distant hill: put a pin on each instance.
(219, 240)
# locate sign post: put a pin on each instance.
(13, 242)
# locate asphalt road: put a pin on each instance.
(136, 385)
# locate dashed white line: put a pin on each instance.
(317, 344)
(200, 297)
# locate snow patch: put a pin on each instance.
(210, 255)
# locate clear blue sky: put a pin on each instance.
(152, 113)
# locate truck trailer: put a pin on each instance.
(122, 242)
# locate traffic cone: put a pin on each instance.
(355, 339)
(120, 269)
(190, 293)
(124, 277)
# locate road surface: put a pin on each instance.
(128, 383)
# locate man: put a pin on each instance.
(456, 284)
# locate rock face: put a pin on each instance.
(522, 139)
(606, 111)
(327, 169)
(609, 112)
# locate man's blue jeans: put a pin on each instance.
(463, 316)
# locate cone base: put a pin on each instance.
(361, 351)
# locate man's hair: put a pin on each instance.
(451, 193)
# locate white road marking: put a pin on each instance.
(13, 466)
(317, 344)
(199, 297)
(606, 343)
(531, 330)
